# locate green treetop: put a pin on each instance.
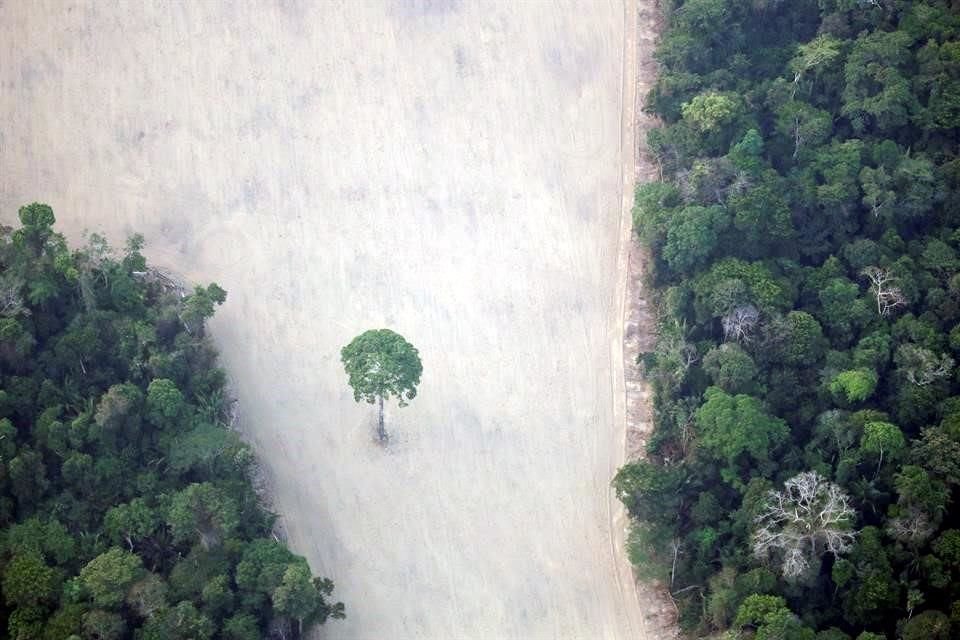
(381, 364)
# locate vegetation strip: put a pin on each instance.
(126, 502)
(805, 241)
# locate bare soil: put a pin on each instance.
(456, 171)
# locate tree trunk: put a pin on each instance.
(879, 462)
(381, 431)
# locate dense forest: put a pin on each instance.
(126, 504)
(805, 234)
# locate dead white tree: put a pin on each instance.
(740, 322)
(11, 304)
(913, 527)
(888, 296)
(799, 524)
(922, 366)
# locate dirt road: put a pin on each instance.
(452, 170)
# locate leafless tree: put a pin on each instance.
(808, 518)
(742, 183)
(888, 296)
(11, 303)
(707, 181)
(922, 366)
(674, 354)
(679, 355)
(797, 126)
(740, 322)
(913, 527)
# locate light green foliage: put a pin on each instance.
(731, 426)
(772, 619)
(109, 576)
(28, 581)
(37, 226)
(815, 56)
(381, 364)
(940, 258)
(747, 155)
(708, 111)
(855, 385)
(262, 567)
(164, 401)
(882, 439)
(200, 306)
(296, 596)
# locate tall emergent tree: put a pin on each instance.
(381, 363)
(809, 517)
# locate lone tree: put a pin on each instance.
(381, 364)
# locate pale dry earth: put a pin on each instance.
(639, 320)
(452, 170)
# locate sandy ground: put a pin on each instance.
(452, 170)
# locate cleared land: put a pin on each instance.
(450, 170)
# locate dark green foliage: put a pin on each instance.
(806, 267)
(126, 506)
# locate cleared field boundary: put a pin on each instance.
(635, 330)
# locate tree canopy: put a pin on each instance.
(126, 504)
(381, 364)
(805, 242)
